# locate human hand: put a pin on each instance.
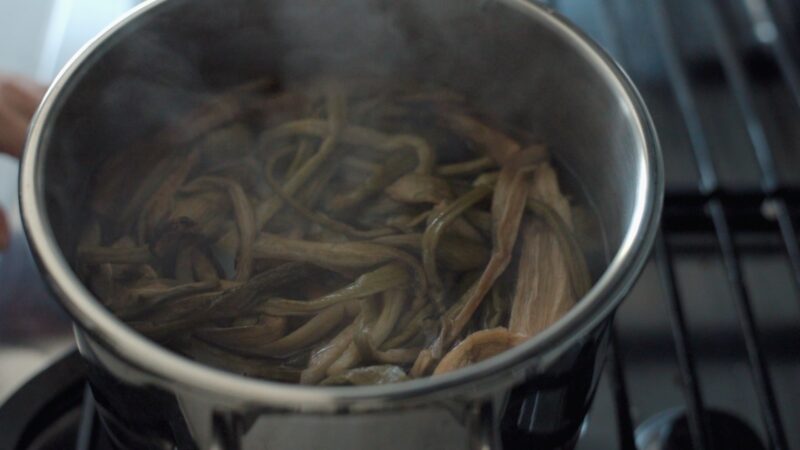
(19, 99)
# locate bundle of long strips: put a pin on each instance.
(334, 234)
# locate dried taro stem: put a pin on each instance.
(336, 232)
(544, 294)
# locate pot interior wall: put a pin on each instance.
(167, 61)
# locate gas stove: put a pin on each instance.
(705, 349)
(53, 411)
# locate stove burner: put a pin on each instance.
(56, 410)
(53, 411)
(670, 431)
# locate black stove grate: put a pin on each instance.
(714, 209)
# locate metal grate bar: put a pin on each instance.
(86, 432)
(695, 409)
(680, 85)
(621, 401)
(785, 11)
(764, 155)
(769, 32)
(741, 92)
(755, 128)
(787, 227)
(612, 26)
(763, 385)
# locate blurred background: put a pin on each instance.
(37, 38)
(714, 322)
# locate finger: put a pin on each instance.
(22, 95)
(13, 131)
(31, 88)
(4, 232)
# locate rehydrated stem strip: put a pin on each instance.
(337, 233)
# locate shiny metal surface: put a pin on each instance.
(517, 59)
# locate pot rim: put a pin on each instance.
(168, 367)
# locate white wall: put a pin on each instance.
(38, 36)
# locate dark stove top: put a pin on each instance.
(53, 411)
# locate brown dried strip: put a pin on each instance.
(266, 329)
(202, 267)
(410, 329)
(495, 143)
(145, 300)
(251, 367)
(266, 210)
(452, 252)
(115, 255)
(145, 159)
(433, 233)
(322, 357)
(336, 255)
(390, 276)
(358, 136)
(508, 206)
(470, 167)
(304, 336)
(183, 265)
(477, 347)
(245, 221)
(395, 166)
(376, 333)
(370, 375)
(545, 188)
(160, 203)
(370, 354)
(419, 188)
(579, 275)
(545, 292)
(187, 313)
(317, 217)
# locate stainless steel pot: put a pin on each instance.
(519, 60)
